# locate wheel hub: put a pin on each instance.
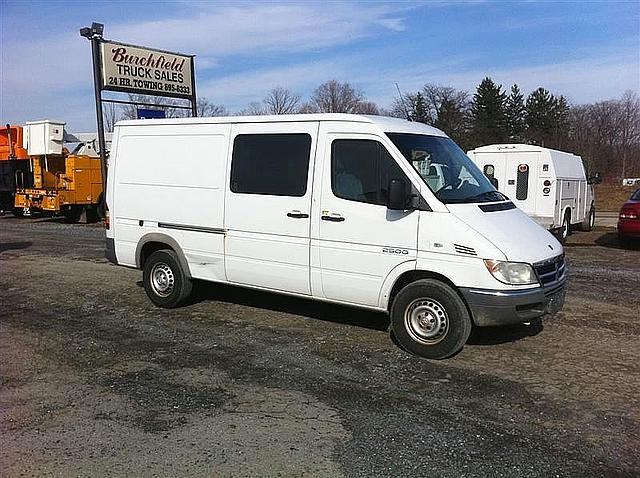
(162, 279)
(426, 321)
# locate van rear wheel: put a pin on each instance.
(564, 232)
(165, 282)
(428, 318)
(589, 220)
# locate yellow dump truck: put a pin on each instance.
(63, 183)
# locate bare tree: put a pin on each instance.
(110, 114)
(281, 101)
(607, 135)
(629, 127)
(207, 108)
(336, 97)
(308, 108)
(253, 109)
(367, 108)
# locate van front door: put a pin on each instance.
(359, 241)
(268, 205)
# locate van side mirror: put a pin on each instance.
(595, 179)
(397, 197)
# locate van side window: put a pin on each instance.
(361, 171)
(273, 164)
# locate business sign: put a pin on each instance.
(134, 69)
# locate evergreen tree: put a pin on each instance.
(541, 117)
(515, 112)
(488, 118)
(419, 109)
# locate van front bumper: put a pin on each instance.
(498, 307)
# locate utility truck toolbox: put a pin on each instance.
(550, 186)
(371, 212)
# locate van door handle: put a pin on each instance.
(297, 214)
(332, 218)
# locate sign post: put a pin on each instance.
(125, 68)
(94, 35)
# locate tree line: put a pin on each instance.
(606, 134)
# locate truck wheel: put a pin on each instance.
(101, 207)
(73, 214)
(589, 220)
(165, 282)
(428, 318)
(564, 232)
(18, 211)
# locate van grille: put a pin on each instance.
(551, 270)
(470, 251)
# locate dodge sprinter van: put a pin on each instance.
(365, 211)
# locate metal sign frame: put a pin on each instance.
(94, 35)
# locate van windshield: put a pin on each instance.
(445, 169)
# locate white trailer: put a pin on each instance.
(550, 186)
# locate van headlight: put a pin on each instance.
(514, 273)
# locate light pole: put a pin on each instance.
(94, 35)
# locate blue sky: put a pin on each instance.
(588, 51)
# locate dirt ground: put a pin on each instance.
(96, 381)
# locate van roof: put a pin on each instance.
(502, 148)
(386, 123)
(566, 165)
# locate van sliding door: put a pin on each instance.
(268, 205)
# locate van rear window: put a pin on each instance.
(272, 164)
(522, 183)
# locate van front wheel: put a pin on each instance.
(428, 318)
(165, 282)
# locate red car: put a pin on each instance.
(629, 219)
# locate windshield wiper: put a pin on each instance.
(487, 195)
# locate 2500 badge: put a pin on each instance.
(394, 250)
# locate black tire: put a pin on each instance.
(428, 318)
(165, 267)
(18, 211)
(565, 230)
(73, 214)
(92, 214)
(589, 220)
(101, 207)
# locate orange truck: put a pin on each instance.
(63, 183)
(15, 170)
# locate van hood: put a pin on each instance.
(513, 232)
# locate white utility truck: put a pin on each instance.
(331, 207)
(550, 186)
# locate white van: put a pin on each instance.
(550, 186)
(331, 207)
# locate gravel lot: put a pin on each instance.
(96, 381)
